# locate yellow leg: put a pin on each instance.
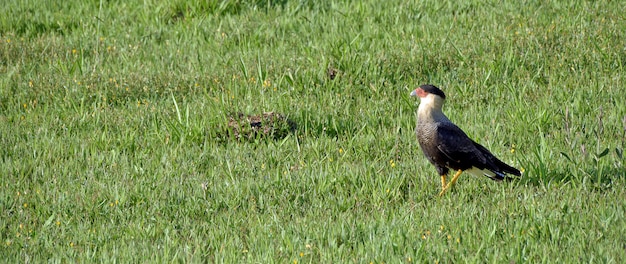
(456, 177)
(451, 183)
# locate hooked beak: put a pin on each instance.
(414, 93)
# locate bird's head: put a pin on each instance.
(429, 95)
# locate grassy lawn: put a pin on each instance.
(117, 144)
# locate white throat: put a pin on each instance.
(430, 107)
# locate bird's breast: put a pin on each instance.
(427, 137)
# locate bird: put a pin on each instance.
(447, 147)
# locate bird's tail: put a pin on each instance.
(506, 168)
(497, 166)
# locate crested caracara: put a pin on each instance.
(447, 147)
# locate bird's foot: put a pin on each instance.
(445, 187)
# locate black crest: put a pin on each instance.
(429, 88)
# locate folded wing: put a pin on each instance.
(462, 153)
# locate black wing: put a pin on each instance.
(463, 153)
(460, 150)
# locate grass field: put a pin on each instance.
(114, 119)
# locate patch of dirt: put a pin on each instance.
(267, 125)
(332, 73)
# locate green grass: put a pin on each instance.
(112, 115)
